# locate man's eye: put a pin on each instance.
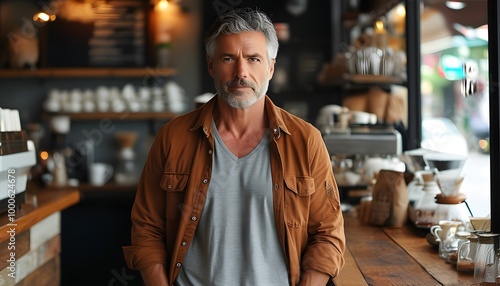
(254, 59)
(227, 59)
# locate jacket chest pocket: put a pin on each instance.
(298, 191)
(174, 184)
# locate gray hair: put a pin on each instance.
(242, 20)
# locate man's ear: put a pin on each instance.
(271, 69)
(209, 65)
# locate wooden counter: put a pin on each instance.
(394, 256)
(30, 245)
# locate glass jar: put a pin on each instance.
(497, 267)
(484, 264)
(461, 237)
(466, 254)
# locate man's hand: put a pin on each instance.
(314, 278)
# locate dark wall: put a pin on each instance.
(93, 233)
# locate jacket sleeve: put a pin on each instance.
(326, 243)
(148, 215)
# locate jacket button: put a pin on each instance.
(210, 152)
(193, 218)
(276, 186)
(205, 181)
(178, 265)
(184, 243)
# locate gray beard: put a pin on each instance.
(233, 98)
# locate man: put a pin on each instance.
(238, 192)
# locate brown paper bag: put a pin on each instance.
(355, 102)
(389, 206)
(396, 110)
(377, 102)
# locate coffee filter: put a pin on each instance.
(480, 223)
(450, 181)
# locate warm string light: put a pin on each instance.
(161, 5)
(44, 155)
(162, 22)
(42, 17)
(401, 11)
(379, 26)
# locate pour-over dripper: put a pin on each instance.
(450, 181)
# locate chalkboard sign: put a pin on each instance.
(110, 34)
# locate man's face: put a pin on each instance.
(240, 68)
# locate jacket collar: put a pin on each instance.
(274, 113)
(276, 122)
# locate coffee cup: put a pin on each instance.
(360, 117)
(100, 173)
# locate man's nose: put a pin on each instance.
(241, 69)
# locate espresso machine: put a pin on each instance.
(17, 156)
(360, 152)
(347, 132)
(376, 140)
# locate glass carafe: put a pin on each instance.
(426, 206)
(484, 263)
(451, 208)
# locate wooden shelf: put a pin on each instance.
(372, 79)
(117, 116)
(88, 72)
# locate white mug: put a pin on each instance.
(100, 173)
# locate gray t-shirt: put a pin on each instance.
(236, 242)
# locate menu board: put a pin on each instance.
(112, 34)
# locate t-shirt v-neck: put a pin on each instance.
(238, 160)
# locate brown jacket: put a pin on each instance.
(175, 180)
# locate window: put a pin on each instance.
(449, 39)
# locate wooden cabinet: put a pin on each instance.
(37, 233)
